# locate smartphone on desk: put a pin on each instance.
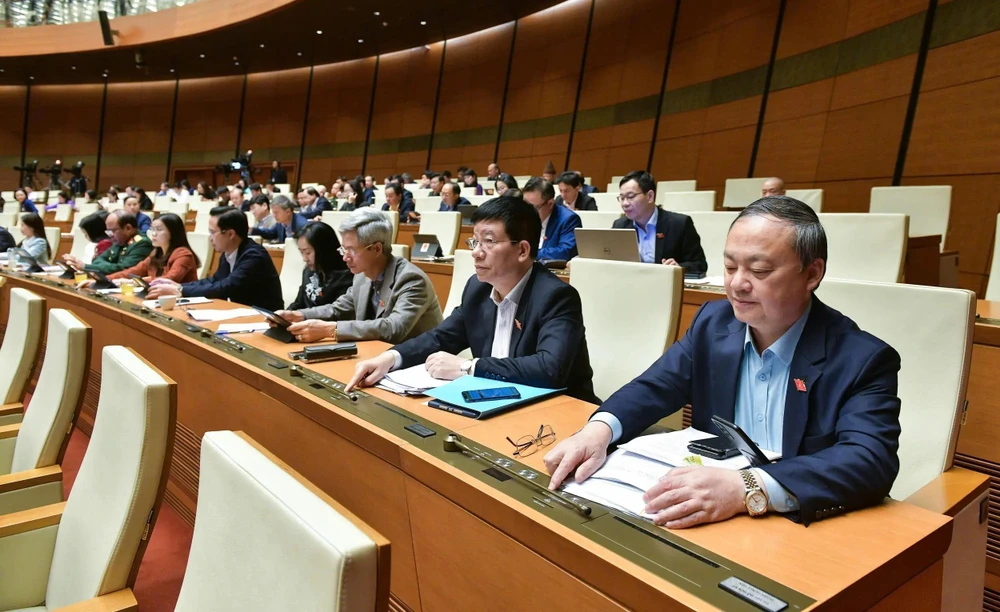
(489, 395)
(715, 447)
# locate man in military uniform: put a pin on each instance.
(128, 248)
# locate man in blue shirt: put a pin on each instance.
(132, 205)
(797, 376)
(287, 224)
(558, 222)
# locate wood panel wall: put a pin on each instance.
(816, 92)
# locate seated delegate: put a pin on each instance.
(538, 337)
(35, 242)
(325, 276)
(664, 237)
(394, 201)
(128, 246)
(246, 274)
(558, 241)
(287, 222)
(171, 258)
(390, 299)
(796, 375)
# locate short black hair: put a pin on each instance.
(126, 218)
(537, 184)
(396, 188)
(520, 219)
(312, 191)
(571, 178)
(809, 242)
(260, 199)
(454, 185)
(231, 218)
(446, 174)
(255, 187)
(642, 178)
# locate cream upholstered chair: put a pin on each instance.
(292, 266)
(201, 245)
(740, 193)
(161, 203)
(993, 288)
(813, 198)
(606, 202)
(445, 225)
(15, 232)
(598, 219)
(932, 330)
(464, 269)
(426, 205)
(334, 218)
(25, 320)
(611, 336)
(31, 451)
(64, 212)
(669, 186)
(181, 208)
(9, 219)
(687, 201)
(54, 236)
(393, 216)
(7, 196)
(265, 538)
(201, 223)
(401, 250)
(928, 207)
(865, 246)
(80, 243)
(87, 209)
(478, 200)
(713, 229)
(11, 208)
(91, 546)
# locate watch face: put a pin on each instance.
(757, 503)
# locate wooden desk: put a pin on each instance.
(462, 539)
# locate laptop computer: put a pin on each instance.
(467, 210)
(425, 246)
(612, 244)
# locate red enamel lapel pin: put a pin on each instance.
(800, 384)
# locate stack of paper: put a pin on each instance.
(180, 302)
(221, 315)
(410, 381)
(242, 328)
(714, 281)
(638, 464)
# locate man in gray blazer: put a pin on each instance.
(391, 299)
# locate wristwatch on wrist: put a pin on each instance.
(466, 367)
(756, 498)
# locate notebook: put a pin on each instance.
(450, 398)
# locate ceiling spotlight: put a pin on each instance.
(377, 13)
(385, 24)
(235, 58)
(319, 32)
(299, 54)
(1, 70)
(236, 63)
(202, 56)
(361, 40)
(261, 45)
(32, 78)
(423, 23)
(172, 70)
(72, 67)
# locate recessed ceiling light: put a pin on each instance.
(172, 70)
(235, 58)
(202, 56)
(377, 13)
(361, 40)
(32, 78)
(1, 70)
(299, 54)
(236, 63)
(72, 67)
(423, 23)
(261, 45)
(319, 31)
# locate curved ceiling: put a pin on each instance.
(287, 37)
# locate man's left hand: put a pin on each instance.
(692, 495)
(444, 365)
(670, 261)
(312, 330)
(160, 287)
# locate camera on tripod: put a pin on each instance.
(77, 184)
(29, 171)
(241, 165)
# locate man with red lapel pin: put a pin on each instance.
(797, 376)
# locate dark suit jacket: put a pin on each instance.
(279, 176)
(676, 238)
(560, 239)
(279, 233)
(316, 210)
(369, 195)
(584, 202)
(548, 349)
(840, 436)
(405, 208)
(445, 208)
(253, 282)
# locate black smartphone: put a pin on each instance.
(742, 442)
(489, 395)
(272, 317)
(716, 447)
(102, 281)
(141, 284)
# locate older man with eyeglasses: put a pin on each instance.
(522, 324)
(390, 299)
(664, 237)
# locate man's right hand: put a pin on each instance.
(584, 451)
(370, 371)
(292, 316)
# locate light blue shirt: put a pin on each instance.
(647, 238)
(37, 247)
(760, 403)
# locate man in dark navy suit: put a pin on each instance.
(522, 323)
(558, 241)
(797, 376)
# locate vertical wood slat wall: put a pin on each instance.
(838, 98)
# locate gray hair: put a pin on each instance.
(371, 227)
(810, 237)
(282, 201)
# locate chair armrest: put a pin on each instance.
(950, 492)
(10, 431)
(27, 543)
(119, 601)
(13, 408)
(30, 478)
(30, 520)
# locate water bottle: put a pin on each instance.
(12, 258)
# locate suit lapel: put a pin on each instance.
(522, 309)
(386, 291)
(661, 234)
(363, 301)
(727, 357)
(810, 350)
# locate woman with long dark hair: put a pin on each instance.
(172, 257)
(35, 242)
(325, 277)
(503, 183)
(95, 228)
(205, 191)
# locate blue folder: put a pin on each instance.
(449, 397)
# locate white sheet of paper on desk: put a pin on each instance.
(236, 328)
(109, 291)
(621, 482)
(671, 448)
(410, 381)
(715, 281)
(221, 315)
(180, 302)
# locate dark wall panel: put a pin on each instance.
(208, 121)
(11, 134)
(273, 114)
(64, 123)
(136, 134)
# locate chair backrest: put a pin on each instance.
(401, 250)
(993, 288)
(393, 216)
(181, 208)
(522, 179)
(928, 206)
(932, 330)
(120, 484)
(445, 225)
(284, 188)
(663, 187)
(462, 272)
(291, 271)
(865, 246)
(201, 223)
(201, 207)
(478, 200)
(740, 193)
(25, 321)
(9, 219)
(334, 218)
(607, 202)
(713, 229)
(810, 197)
(594, 219)
(15, 232)
(87, 209)
(201, 245)
(7, 196)
(80, 243)
(425, 205)
(11, 207)
(64, 212)
(687, 201)
(54, 236)
(610, 336)
(265, 538)
(162, 203)
(58, 396)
